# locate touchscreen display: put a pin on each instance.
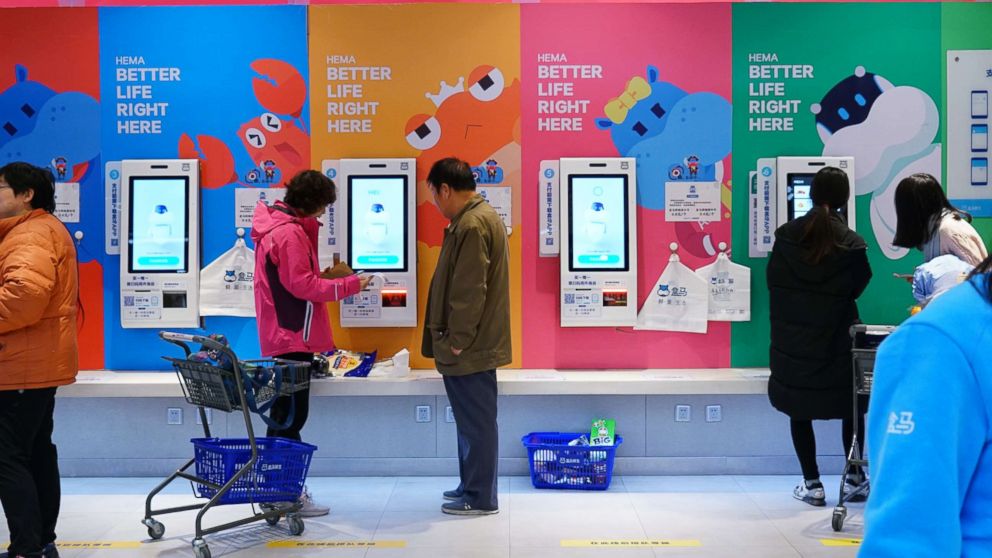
(798, 189)
(797, 192)
(158, 224)
(598, 222)
(377, 217)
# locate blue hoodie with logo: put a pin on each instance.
(929, 434)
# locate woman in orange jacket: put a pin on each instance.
(38, 353)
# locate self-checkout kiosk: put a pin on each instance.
(795, 180)
(597, 208)
(377, 200)
(160, 262)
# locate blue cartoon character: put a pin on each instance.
(269, 167)
(488, 173)
(230, 276)
(668, 130)
(251, 177)
(60, 164)
(20, 104)
(692, 163)
(849, 102)
(641, 111)
(890, 130)
(36, 122)
(663, 291)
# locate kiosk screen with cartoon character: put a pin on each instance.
(158, 225)
(377, 217)
(598, 222)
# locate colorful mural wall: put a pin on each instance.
(692, 90)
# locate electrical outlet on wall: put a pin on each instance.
(423, 413)
(210, 417)
(683, 413)
(714, 413)
(449, 415)
(174, 415)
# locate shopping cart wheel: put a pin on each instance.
(268, 508)
(155, 528)
(295, 524)
(837, 521)
(200, 548)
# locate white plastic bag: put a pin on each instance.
(678, 301)
(396, 367)
(729, 289)
(227, 285)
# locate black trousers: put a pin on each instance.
(300, 400)
(473, 402)
(804, 441)
(30, 490)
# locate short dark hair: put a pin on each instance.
(451, 171)
(920, 201)
(310, 191)
(22, 177)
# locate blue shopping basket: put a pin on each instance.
(278, 475)
(555, 464)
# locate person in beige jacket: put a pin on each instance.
(927, 221)
(38, 353)
(467, 329)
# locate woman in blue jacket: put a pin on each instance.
(929, 432)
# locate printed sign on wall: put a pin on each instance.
(874, 97)
(637, 93)
(50, 117)
(235, 98)
(410, 94)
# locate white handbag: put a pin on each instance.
(679, 301)
(729, 289)
(227, 284)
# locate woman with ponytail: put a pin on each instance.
(817, 270)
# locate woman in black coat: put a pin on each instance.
(818, 268)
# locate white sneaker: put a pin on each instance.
(811, 492)
(311, 508)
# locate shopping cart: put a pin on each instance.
(269, 472)
(865, 342)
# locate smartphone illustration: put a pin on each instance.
(979, 138)
(979, 171)
(979, 104)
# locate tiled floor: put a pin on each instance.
(740, 517)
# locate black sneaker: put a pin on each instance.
(851, 483)
(50, 551)
(453, 495)
(461, 507)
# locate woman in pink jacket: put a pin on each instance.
(291, 292)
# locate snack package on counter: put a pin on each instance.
(603, 432)
(351, 364)
(396, 367)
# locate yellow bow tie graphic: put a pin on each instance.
(616, 109)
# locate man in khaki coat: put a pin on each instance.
(467, 329)
(38, 353)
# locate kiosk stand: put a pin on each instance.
(597, 204)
